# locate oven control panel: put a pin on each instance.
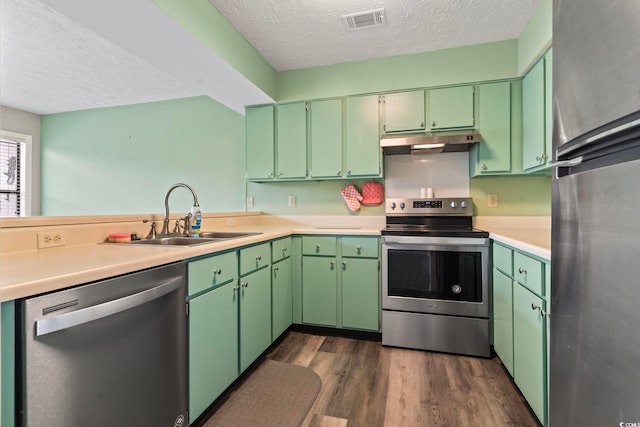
(425, 207)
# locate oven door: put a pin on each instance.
(438, 275)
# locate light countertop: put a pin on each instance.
(29, 272)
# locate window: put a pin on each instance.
(14, 156)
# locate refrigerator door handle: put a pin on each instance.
(109, 308)
(565, 164)
(564, 151)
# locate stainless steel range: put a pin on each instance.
(435, 277)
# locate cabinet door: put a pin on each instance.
(291, 141)
(319, 290)
(255, 316)
(363, 138)
(548, 106)
(503, 318)
(404, 111)
(213, 346)
(451, 107)
(326, 138)
(494, 124)
(212, 272)
(254, 258)
(260, 142)
(529, 348)
(360, 293)
(281, 297)
(533, 131)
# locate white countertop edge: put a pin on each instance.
(524, 246)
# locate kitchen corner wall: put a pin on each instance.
(517, 195)
(122, 160)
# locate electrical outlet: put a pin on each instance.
(292, 201)
(51, 239)
(492, 200)
(231, 221)
(249, 202)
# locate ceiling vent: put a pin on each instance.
(358, 21)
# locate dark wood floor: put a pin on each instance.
(365, 384)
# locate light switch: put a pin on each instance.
(292, 201)
(492, 200)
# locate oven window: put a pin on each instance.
(442, 275)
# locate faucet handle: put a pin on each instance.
(186, 231)
(176, 229)
(152, 233)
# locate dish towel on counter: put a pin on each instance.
(372, 193)
(352, 196)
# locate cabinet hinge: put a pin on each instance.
(384, 127)
(307, 106)
(381, 99)
(187, 304)
(379, 265)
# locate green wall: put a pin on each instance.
(122, 160)
(490, 61)
(536, 37)
(313, 198)
(517, 195)
(201, 19)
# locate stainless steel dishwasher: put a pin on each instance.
(110, 353)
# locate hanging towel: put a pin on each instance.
(372, 193)
(352, 196)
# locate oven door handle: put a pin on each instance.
(401, 242)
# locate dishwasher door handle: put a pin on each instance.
(109, 308)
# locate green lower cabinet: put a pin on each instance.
(529, 348)
(281, 297)
(360, 294)
(213, 346)
(319, 290)
(255, 316)
(503, 318)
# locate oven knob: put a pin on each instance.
(454, 204)
(456, 289)
(402, 205)
(393, 205)
(463, 204)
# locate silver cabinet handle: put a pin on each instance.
(245, 285)
(348, 171)
(276, 268)
(339, 172)
(483, 167)
(433, 123)
(235, 288)
(284, 250)
(259, 258)
(279, 174)
(218, 271)
(522, 270)
(421, 125)
(359, 249)
(344, 264)
(537, 307)
(106, 309)
(333, 263)
(317, 247)
(270, 174)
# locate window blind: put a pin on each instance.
(10, 178)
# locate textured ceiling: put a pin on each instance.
(293, 34)
(66, 55)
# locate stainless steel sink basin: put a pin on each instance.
(205, 237)
(225, 234)
(175, 241)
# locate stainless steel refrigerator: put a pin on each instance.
(594, 368)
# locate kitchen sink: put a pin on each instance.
(205, 237)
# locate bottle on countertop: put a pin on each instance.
(196, 219)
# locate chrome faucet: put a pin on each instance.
(165, 221)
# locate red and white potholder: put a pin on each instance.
(372, 193)
(352, 196)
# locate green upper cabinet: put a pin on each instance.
(260, 143)
(548, 105)
(291, 140)
(403, 111)
(451, 107)
(326, 138)
(536, 116)
(494, 124)
(363, 154)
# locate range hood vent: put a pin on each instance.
(430, 142)
(368, 19)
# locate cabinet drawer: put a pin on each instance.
(211, 272)
(528, 272)
(280, 249)
(254, 258)
(502, 259)
(318, 245)
(360, 247)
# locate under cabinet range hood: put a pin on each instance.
(430, 142)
